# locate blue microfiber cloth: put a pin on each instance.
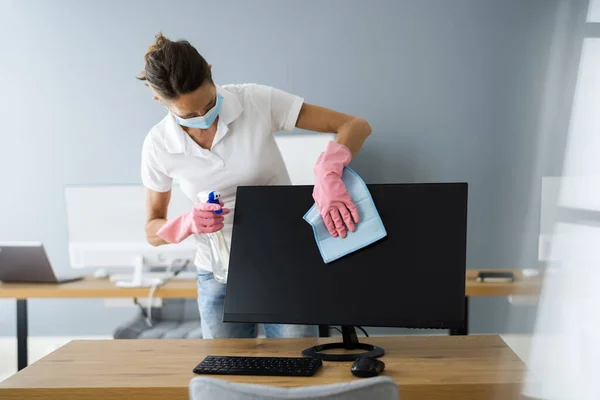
(369, 230)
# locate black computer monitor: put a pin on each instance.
(413, 278)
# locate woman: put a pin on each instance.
(219, 137)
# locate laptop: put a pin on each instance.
(28, 262)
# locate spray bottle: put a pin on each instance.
(219, 252)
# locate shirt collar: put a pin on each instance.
(176, 137)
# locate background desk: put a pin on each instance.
(434, 367)
(522, 286)
(104, 288)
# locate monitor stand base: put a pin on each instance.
(350, 342)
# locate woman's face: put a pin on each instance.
(194, 104)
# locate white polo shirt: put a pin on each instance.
(244, 151)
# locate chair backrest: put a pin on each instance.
(300, 152)
(378, 388)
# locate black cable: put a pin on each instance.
(148, 312)
(365, 332)
(142, 309)
(183, 267)
(359, 327)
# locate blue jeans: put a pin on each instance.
(211, 300)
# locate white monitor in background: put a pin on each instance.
(300, 152)
(106, 229)
(106, 223)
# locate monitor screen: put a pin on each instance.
(413, 278)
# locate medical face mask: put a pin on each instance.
(205, 121)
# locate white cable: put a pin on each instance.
(161, 282)
(149, 305)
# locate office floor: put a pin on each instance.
(40, 346)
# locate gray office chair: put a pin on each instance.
(177, 319)
(379, 388)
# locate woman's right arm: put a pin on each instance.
(157, 204)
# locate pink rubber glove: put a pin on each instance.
(331, 197)
(201, 219)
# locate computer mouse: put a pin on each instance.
(367, 367)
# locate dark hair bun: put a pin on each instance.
(174, 68)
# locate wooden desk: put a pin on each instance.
(104, 288)
(91, 288)
(435, 367)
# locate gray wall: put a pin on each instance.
(451, 89)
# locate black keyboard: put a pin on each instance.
(273, 366)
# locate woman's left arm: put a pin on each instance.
(351, 131)
(331, 196)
